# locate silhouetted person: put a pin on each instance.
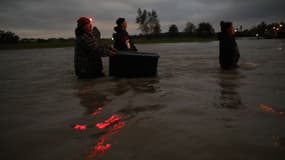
(229, 52)
(122, 40)
(96, 33)
(88, 52)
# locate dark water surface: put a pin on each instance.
(191, 110)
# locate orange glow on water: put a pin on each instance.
(267, 108)
(114, 118)
(80, 127)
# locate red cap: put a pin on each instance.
(83, 20)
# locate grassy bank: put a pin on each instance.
(33, 45)
(70, 43)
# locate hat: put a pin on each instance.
(119, 21)
(83, 21)
(225, 25)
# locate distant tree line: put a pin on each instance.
(149, 25)
(273, 30)
(8, 37)
(41, 40)
(204, 30)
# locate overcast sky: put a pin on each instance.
(57, 18)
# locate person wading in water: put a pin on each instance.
(229, 52)
(122, 40)
(88, 51)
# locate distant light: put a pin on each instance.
(256, 34)
(277, 29)
(281, 25)
(112, 38)
(235, 30)
(273, 27)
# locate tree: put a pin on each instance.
(142, 21)
(173, 30)
(148, 22)
(205, 29)
(8, 37)
(240, 28)
(189, 28)
(261, 29)
(153, 23)
(156, 29)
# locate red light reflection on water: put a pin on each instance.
(101, 146)
(80, 127)
(109, 121)
(98, 110)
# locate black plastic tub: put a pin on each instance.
(133, 64)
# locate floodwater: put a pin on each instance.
(191, 110)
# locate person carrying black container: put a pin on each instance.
(122, 40)
(229, 52)
(88, 52)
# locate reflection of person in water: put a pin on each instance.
(229, 96)
(122, 40)
(91, 99)
(94, 101)
(229, 52)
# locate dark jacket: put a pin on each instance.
(229, 52)
(120, 38)
(87, 57)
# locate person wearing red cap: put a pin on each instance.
(88, 51)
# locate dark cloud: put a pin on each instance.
(54, 18)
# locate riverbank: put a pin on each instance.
(70, 43)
